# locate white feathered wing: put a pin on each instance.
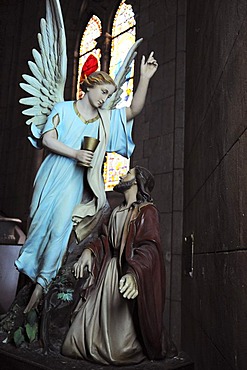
(120, 78)
(49, 70)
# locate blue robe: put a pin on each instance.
(58, 188)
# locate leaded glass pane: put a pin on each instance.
(114, 167)
(92, 31)
(123, 37)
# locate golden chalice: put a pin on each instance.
(90, 144)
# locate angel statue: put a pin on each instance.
(58, 204)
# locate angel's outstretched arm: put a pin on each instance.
(148, 68)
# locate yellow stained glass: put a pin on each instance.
(114, 167)
(92, 31)
(123, 37)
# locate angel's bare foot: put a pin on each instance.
(35, 298)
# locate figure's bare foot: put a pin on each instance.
(35, 298)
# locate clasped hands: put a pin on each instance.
(127, 285)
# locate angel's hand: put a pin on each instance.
(84, 262)
(128, 286)
(149, 67)
(84, 156)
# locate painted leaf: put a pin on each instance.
(32, 317)
(32, 331)
(18, 337)
(66, 296)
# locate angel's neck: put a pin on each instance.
(86, 109)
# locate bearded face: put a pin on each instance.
(123, 186)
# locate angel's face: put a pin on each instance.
(98, 94)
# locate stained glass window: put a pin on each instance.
(123, 37)
(88, 44)
(114, 167)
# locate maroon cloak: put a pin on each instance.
(141, 255)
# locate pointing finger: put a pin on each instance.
(151, 55)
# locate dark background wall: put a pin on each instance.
(214, 299)
(206, 313)
(159, 132)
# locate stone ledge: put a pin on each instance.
(22, 359)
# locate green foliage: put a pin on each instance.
(32, 317)
(18, 337)
(31, 331)
(67, 295)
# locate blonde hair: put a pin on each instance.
(97, 78)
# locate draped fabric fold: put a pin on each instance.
(107, 328)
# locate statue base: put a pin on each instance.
(24, 359)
